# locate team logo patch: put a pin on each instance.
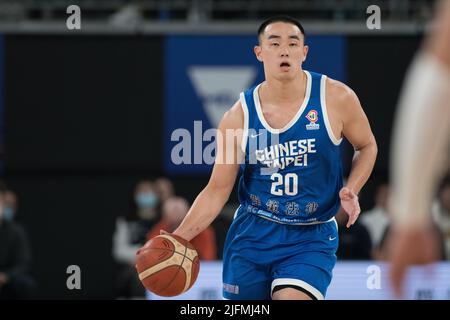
(292, 209)
(311, 207)
(312, 116)
(272, 206)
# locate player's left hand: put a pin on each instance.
(350, 204)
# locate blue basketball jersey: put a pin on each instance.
(291, 175)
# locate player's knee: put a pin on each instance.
(290, 294)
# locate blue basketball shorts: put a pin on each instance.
(260, 255)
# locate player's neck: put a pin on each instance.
(285, 90)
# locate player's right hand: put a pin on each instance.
(350, 204)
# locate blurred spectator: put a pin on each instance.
(377, 219)
(354, 242)
(441, 213)
(164, 188)
(10, 207)
(15, 259)
(173, 212)
(130, 235)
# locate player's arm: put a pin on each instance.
(356, 128)
(211, 200)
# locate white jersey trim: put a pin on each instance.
(299, 283)
(245, 132)
(236, 212)
(294, 119)
(325, 112)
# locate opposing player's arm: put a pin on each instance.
(419, 150)
(356, 128)
(211, 200)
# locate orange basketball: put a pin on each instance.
(167, 265)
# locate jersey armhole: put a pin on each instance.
(323, 83)
(245, 132)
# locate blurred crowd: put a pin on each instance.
(367, 239)
(156, 206)
(16, 281)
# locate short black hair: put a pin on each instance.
(280, 18)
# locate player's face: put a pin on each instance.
(282, 50)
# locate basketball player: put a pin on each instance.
(419, 150)
(283, 238)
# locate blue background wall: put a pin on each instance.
(184, 103)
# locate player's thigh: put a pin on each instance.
(244, 280)
(310, 271)
(305, 278)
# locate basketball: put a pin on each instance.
(167, 265)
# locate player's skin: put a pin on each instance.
(281, 95)
(417, 244)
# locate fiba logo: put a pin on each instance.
(219, 86)
(312, 116)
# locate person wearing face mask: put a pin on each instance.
(15, 258)
(164, 188)
(10, 207)
(147, 211)
(130, 235)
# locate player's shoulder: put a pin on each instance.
(339, 92)
(234, 117)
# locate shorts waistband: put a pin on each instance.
(266, 215)
(300, 223)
